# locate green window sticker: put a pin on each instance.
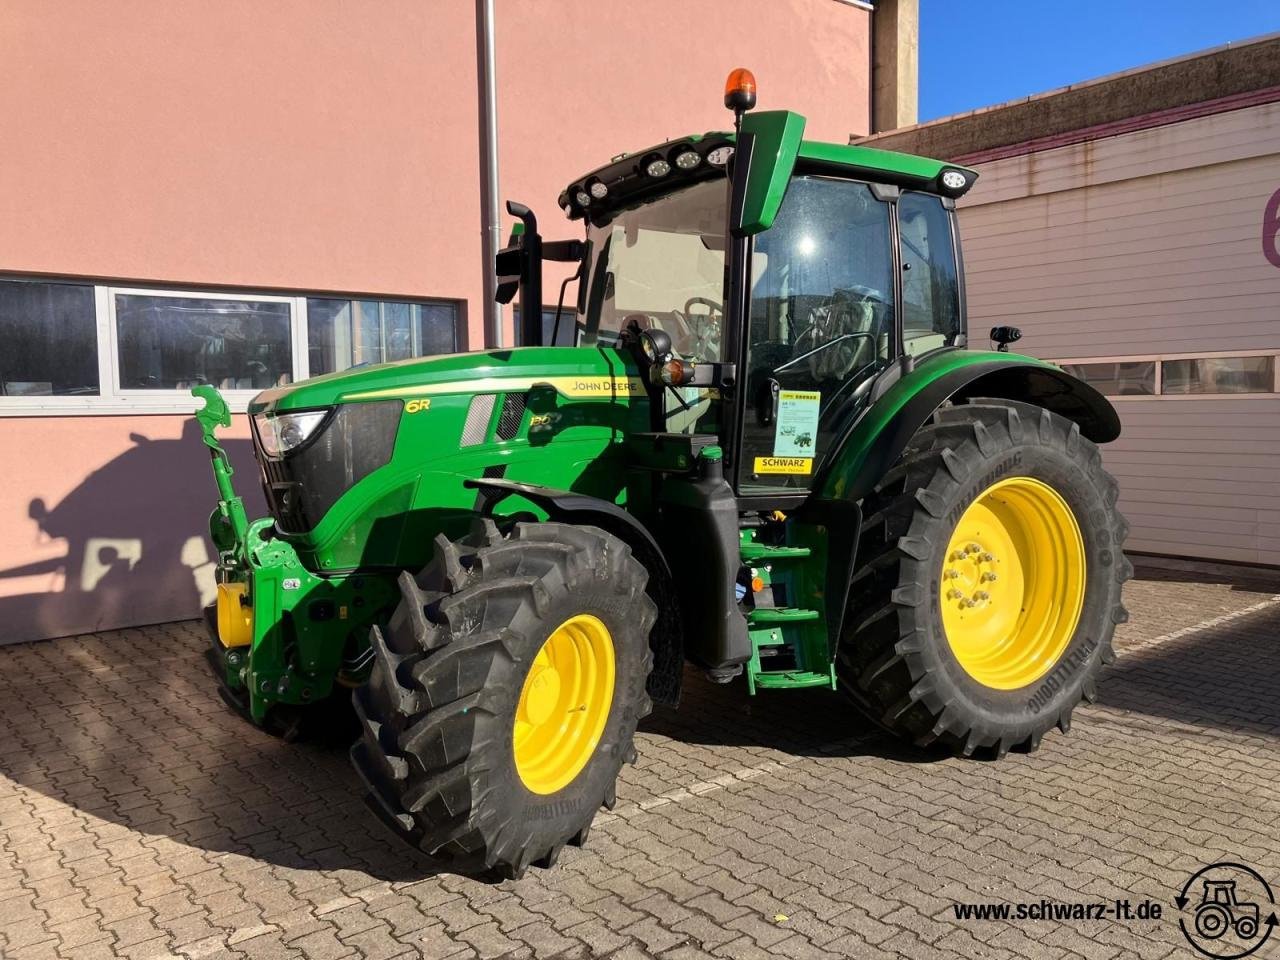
(797, 428)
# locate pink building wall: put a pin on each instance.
(312, 145)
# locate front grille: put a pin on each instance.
(301, 486)
(477, 422)
(511, 415)
(283, 494)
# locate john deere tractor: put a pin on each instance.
(770, 453)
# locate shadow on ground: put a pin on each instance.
(128, 727)
(1237, 577)
(808, 722)
(1225, 676)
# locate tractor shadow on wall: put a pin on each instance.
(137, 548)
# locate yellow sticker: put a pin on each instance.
(417, 406)
(604, 387)
(792, 465)
(596, 386)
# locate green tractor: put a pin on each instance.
(770, 454)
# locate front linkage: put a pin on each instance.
(283, 638)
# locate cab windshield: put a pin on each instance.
(661, 266)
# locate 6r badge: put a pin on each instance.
(1228, 911)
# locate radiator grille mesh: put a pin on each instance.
(511, 415)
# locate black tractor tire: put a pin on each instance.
(437, 744)
(894, 659)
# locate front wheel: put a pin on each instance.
(987, 588)
(505, 694)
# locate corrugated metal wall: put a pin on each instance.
(1139, 245)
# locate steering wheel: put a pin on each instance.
(833, 324)
(704, 329)
(711, 305)
(700, 333)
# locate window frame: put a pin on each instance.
(1159, 358)
(112, 399)
(953, 230)
(237, 399)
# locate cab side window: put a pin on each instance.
(930, 285)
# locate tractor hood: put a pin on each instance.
(577, 372)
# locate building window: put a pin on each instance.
(1218, 375)
(563, 335)
(345, 333)
(1119, 379)
(1178, 376)
(174, 342)
(68, 347)
(49, 333)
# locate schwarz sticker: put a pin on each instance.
(791, 465)
(417, 406)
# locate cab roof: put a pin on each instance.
(630, 178)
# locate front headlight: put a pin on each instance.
(287, 431)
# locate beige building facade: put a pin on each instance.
(1131, 228)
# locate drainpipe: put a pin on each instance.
(895, 43)
(490, 212)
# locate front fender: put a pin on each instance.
(876, 440)
(667, 640)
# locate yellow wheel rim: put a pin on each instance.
(1012, 584)
(564, 704)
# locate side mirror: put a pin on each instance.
(1003, 336)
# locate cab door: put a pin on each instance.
(821, 324)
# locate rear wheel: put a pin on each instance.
(505, 694)
(988, 582)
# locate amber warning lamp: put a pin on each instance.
(740, 92)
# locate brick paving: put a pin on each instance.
(139, 818)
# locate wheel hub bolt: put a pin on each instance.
(982, 595)
(954, 595)
(989, 577)
(972, 548)
(971, 603)
(952, 574)
(988, 557)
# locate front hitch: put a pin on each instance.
(228, 525)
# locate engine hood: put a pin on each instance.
(578, 372)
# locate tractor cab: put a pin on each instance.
(763, 283)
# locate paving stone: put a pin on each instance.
(143, 820)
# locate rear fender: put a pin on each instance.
(877, 439)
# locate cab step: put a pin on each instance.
(782, 679)
(754, 553)
(778, 650)
(762, 616)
